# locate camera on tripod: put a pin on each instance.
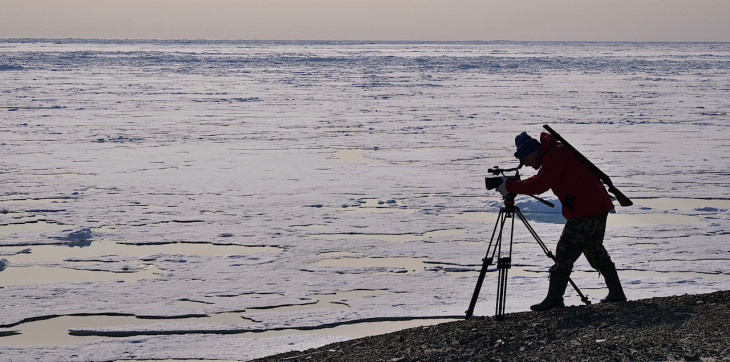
(501, 176)
(494, 182)
(495, 250)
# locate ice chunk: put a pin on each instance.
(79, 235)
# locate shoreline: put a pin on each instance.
(686, 327)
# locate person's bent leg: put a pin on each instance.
(599, 259)
(558, 283)
(568, 250)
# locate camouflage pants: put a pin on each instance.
(582, 235)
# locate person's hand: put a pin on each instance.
(502, 188)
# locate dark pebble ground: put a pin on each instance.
(678, 328)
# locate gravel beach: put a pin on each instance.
(687, 327)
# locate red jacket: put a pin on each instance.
(581, 192)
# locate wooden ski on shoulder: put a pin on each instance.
(622, 199)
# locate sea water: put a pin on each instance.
(232, 199)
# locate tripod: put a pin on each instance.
(504, 259)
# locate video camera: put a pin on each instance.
(493, 182)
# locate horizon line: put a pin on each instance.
(349, 40)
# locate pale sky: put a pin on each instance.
(593, 20)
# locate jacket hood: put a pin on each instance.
(547, 143)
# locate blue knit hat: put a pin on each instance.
(525, 145)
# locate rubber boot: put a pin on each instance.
(615, 291)
(554, 298)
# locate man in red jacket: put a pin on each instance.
(585, 206)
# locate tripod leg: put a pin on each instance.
(532, 231)
(503, 265)
(583, 298)
(475, 296)
(486, 262)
